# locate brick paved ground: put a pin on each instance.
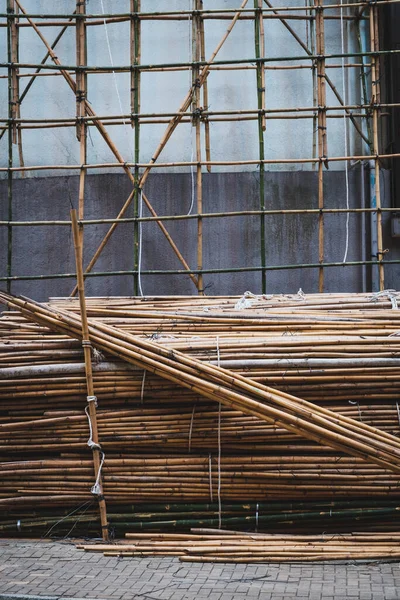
(59, 570)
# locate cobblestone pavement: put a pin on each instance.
(59, 570)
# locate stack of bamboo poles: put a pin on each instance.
(239, 547)
(163, 441)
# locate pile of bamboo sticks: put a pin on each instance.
(223, 441)
(238, 547)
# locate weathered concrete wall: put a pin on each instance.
(228, 242)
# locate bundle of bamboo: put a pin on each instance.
(328, 350)
(238, 547)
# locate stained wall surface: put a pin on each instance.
(232, 242)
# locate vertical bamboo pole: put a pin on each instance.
(315, 89)
(260, 78)
(322, 142)
(17, 131)
(88, 370)
(363, 76)
(196, 54)
(262, 54)
(81, 92)
(10, 21)
(375, 89)
(135, 6)
(205, 90)
(14, 71)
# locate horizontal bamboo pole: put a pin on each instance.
(150, 67)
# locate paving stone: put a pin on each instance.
(41, 569)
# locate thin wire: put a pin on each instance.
(130, 142)
(140, 244)
(345, 134)
(88, 503)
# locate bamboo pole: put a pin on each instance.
(205, 88)
(135, 108)
(92, 413)
(10, 21)
(375, 128)
(196, 109)
(322, 146)
(81, 96)
(16, 110)
(260, 80)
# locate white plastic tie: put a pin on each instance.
(248, 299)
(392, 295)
(301, 295)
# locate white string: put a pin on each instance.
(115, 81)
(219, 446)
(142, 390)
(398, 411)
(96, 489)
(92, 445)
(210, 477)
(345, 135)
(191, 429)
(192, 173)
(140, 244)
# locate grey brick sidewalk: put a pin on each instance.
(58, 570)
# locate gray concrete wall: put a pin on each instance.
(228, 242)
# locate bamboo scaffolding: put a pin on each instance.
(112, 147)
(168, 133)
(161, 439)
